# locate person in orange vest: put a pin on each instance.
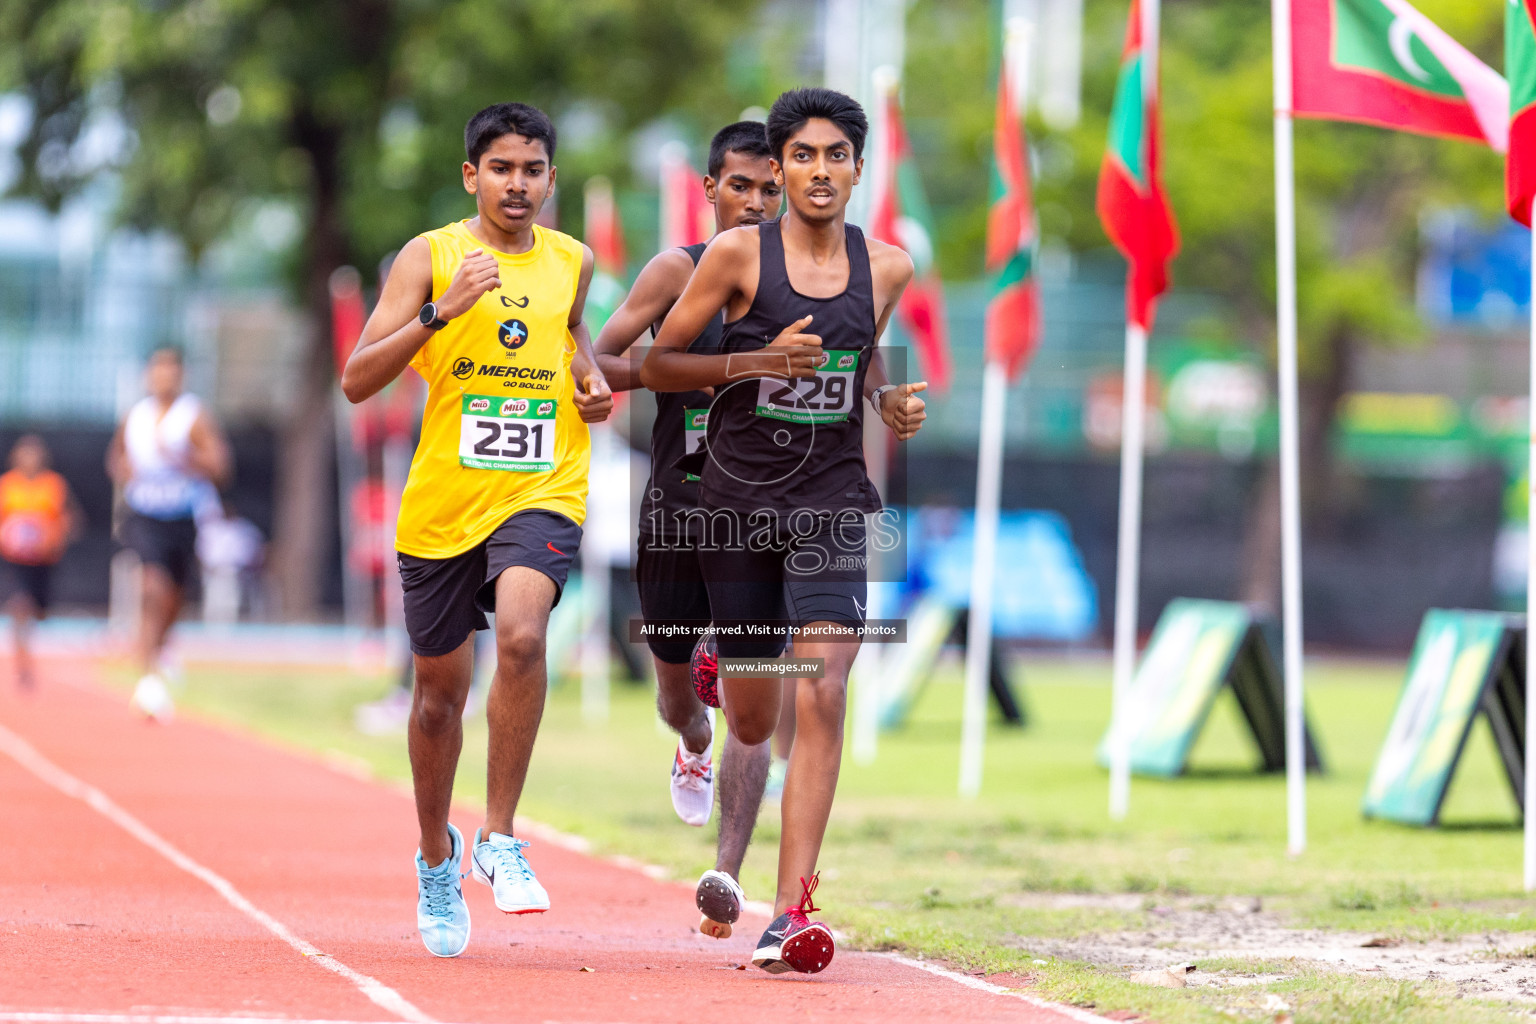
(37, 520)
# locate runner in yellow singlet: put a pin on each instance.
(491, 515)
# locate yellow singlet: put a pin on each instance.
(501, 433)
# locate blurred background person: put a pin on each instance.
(38, 517)
(165, 454)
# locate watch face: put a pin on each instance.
(428, 314)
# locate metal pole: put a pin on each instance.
(1290, 458)
(1127, 565)
(978, 640)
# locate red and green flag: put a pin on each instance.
(1131, 203)
(1520, 66)
(605, 237)
(900, 217)
(1381, 62)
(1013, 312)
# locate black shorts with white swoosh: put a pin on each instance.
(446, 599)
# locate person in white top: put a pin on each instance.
(167, 454)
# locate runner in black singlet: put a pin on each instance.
(741, 188)
(784, 489)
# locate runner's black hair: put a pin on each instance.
(507, 119)
(792, 109)
(747, 137)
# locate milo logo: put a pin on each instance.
(843, 362)
(700, 420)
(545, 408)
(479, 404)
(514, 407)
(826, 357)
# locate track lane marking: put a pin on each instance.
(1074, 1012)
(46, 1017)
(24, 754)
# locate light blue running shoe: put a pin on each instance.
(500, 864)
(442, 916)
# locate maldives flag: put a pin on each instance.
(605, 237)
(686, 215)
(605, 231)
(1013, 312)
(1131, 202)
(1381, 62)
(1520, 66)
(900, 216)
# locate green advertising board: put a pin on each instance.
(1197, 648)
(1464, 663)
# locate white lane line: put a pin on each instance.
(156, 1018)
(25, 755)
(1072, 1012)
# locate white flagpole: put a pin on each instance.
(1530, 607)
(989, 475)
(1290, 458)
(868, 677)
(1128, 565)
(978, 638)
(1133, 415)
(596, 589)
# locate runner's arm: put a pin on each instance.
(652, 296)
(671, 367)
(592, 396)
(209, 455)
(900, 408)
(394, 333)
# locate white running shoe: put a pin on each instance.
(719, 899)
(499, 863)
(693, 780)
(152, 699)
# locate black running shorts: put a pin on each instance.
(36, 581)
(446, 599)
(170, 544)
(803, 572)
(671, 591)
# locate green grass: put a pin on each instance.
(908, 865)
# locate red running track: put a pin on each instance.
(187, 872)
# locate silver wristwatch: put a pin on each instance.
(874, 396)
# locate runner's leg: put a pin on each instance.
(814, 761)
(22, 613)
(435, 738)
(680, 707)
(161, 603)
(743, 775)
(515, 704)
(784, 734)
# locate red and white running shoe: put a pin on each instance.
(794, 942)
(704, 667)
(693, 780)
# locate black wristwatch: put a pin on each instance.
(430, 319)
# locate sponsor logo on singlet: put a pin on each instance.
(463, 368)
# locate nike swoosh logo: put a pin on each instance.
(521, 303)
(551, 546)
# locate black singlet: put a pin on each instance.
(792, 445)
(671, 492)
